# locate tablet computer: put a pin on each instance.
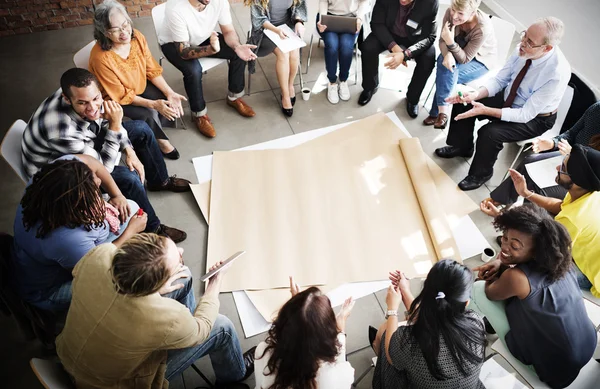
(223, 265)
(339, 24)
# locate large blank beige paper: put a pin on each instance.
(338, 209)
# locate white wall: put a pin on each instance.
(582, 29)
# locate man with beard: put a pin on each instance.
(579, 174)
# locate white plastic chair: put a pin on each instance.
(11, 148)
(82, 57)
(51, 374)
(158, 18)
(563, 109)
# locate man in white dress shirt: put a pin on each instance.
(520, 102)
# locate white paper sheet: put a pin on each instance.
(292, 42)
(543, 172)
(469, 239)
(494, 376)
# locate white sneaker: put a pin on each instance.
(344, 91)
(332, 93)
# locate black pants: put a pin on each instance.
(155, 120)
(492, 136)
(372, 47)
(192, 71)
(505, 193)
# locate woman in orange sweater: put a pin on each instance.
(123, 63)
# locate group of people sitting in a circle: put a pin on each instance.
(88, 242)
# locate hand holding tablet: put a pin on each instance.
(221, 265)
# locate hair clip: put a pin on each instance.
(440, 295)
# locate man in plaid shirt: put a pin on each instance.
(76, 120)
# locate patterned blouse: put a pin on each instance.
(585, 128)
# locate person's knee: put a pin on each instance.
(488, 133)
(370, 46)
(478, 292)
(129, 181)
(193, 72)
(224, 325)
(138, 130)
(332, 43)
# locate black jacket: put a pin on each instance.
(424, 13)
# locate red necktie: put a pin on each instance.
(515, 86)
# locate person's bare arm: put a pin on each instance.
(512, 282)
(188, 51)
(550, 204)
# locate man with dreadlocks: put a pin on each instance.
(75, 120)
(61, 217)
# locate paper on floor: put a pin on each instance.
(494, 376)
(543, 172)
(292, 42)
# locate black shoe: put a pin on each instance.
(249, 362)
(173, 154)
(452, 151)
(293, 100)
(488, 327)
(372, 335)
(365, 96)
(412, 109)
(287, 111)
(473, 182)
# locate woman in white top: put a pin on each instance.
(306, 346)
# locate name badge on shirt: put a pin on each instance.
(412, 24)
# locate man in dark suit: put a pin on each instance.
(407, 28)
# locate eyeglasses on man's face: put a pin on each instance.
(563, 166)
(528, 43)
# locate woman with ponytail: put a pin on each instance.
(442, 345)
(531, 298)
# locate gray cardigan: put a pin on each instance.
(260, 15)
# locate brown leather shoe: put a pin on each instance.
(441, 121)
(173, 184)
(173, 233)
(429, 120)
(204, 125)
(242, 108)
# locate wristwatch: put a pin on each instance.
(391, 313)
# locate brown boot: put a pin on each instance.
(242, 108)
(441, 121)
(429, 120)
(173, 233)
(173, 184)
(204, 125)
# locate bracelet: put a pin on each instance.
(532, 193)
(452, 46)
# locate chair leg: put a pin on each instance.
(249, 83)
(514, 162)
(210, 385)
(362, 376)
(310, 49)
(300, 75)
(356, 63)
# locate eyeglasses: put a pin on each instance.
(116, 30)
(563, 167)
(527, 42)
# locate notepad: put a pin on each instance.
(292, 42)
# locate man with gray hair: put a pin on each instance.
(520, 102)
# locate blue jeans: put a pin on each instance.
(58, 300)
(338, 47)
(445, 80)
(583, 282)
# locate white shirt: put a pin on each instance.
(183, 23)
(336, 375)
(540, 91)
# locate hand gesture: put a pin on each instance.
(164, 108)
(321, 27)
(477, 110)
(120, 202)
(133, 163)
(393, 298)
(174, 100)
(214, 42)
(281, 33)
(489, 270)
(137, 223)
(294, 288)
(400, 281)
(489, 208)
(113, 112)
(467, 97)
(343, 314)
(449, 62)
(358, 25)
(245, 52)
(540, 145)
(448, 33)
(299, 29)
(168, 287)
(564, 147)
(396, 59)
(520, 183)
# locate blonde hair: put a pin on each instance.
(465, 5)
(139, 267)
(264, 3)
(555, 30)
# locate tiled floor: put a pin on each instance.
(31, 66)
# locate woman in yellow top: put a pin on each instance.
(123, 63)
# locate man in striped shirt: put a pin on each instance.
(76, 120)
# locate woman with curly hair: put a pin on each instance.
(61, 217)
(306, 346)
(530, 296)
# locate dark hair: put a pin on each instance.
(552, 250)
(433, 319)
(102, 22)
(63, 194)
(77, 77)
(139, 267)
(303, 335)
